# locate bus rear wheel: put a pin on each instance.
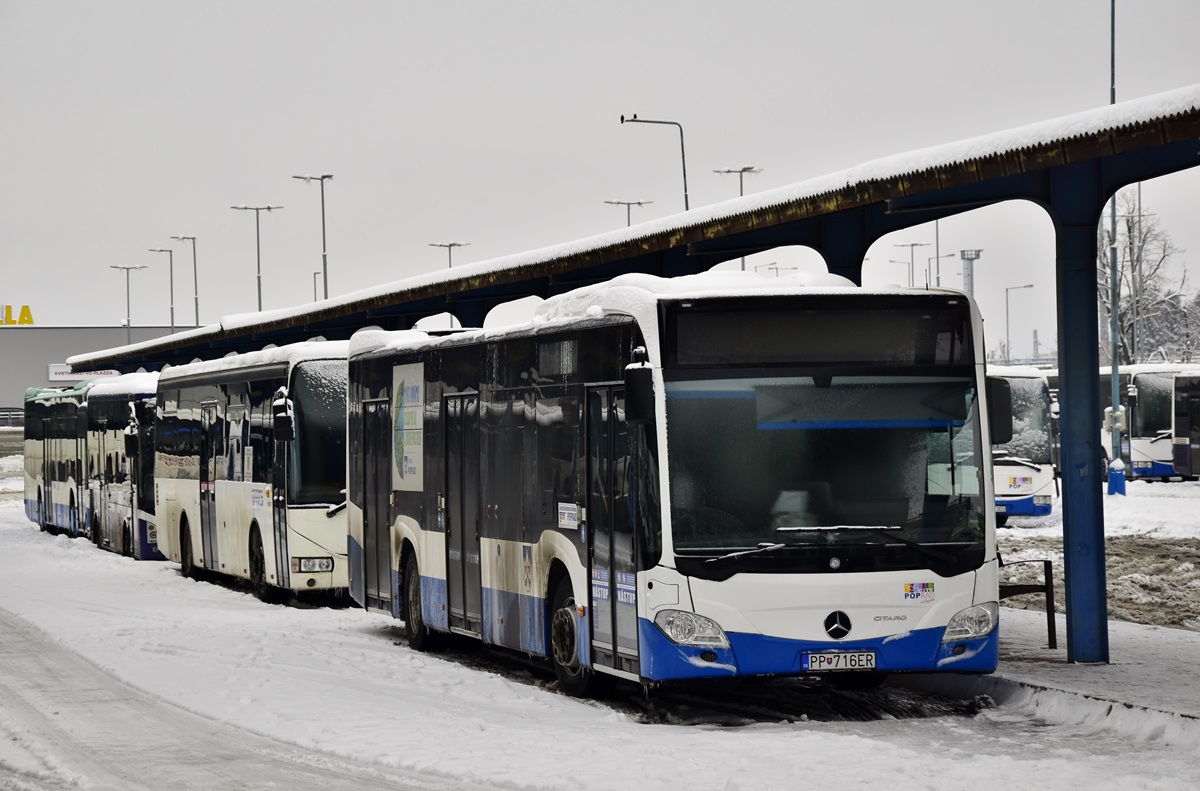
(420, 636)
(186, 566)
(127, 540)
(573, 678)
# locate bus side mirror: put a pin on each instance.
(999, 400)
(639, 389)
(131, 442)
(81, 422)
(1131, 396)
(281, 408)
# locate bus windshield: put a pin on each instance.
(825, 473)
(1031, 420)
(1154, 398)
(317, 469)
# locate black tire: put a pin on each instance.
(187, 566)
(127, 540)
(263, 590)
(1001, 519)
(420, 636)
(95, 530)
(573, 678)
(41, 513)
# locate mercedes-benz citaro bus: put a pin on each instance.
(1024, 468)
(250, 468)
(712, 476)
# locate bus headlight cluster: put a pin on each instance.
(977, 621)
(687, 628)
(1041, 499)
(311, 565)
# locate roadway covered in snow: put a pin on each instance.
(102, 653)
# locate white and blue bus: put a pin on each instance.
(250, 468)
(1025, 473)
(711, 476)
(120, 464)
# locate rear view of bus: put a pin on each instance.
(1025, 475)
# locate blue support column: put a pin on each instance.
(1076, 201)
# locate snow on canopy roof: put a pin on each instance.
(142, 383)
(290, 355)
(853, 184)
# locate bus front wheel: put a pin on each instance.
(263, 590)
(573, 677)
(420, 636)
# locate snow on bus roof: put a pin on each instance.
(139, 383)
(1017, 371)
(291, 354)
(634, 294)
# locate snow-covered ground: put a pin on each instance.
(342, 683)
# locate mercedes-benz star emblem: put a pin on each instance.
(837, 624)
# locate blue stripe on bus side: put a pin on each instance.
(753, 654)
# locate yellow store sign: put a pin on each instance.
(17, 314)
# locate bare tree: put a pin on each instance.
(1152, 317)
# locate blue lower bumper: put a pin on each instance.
(1021, 506)
(757, 655)
(1157, 469)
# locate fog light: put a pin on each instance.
(311, 565)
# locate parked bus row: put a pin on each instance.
(654, 479)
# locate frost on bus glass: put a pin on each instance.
(1031, 420)
(318, 453)
(811, 471)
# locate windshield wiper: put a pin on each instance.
(1166, 433)
(936, 554)
(1018, 461)
(762, 549)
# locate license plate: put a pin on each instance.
(1001, 509)
(838, 660)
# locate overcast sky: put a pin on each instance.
(496, 124)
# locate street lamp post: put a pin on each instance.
(741, 174)
(627, 204)
(911, 262)
(195, 276)
(1007, 342)
(128, 305)
(633, 119)
(257, 241)
(324, 259)
(171, 265)
(449, 264)
(937, 278)
(449, 250)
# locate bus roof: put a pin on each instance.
(636, 295)
(281, 355)
(142, 383)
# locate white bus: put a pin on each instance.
(1026, 478)
(55, 471)
(241, 494)
(711, 476)
(120, 464)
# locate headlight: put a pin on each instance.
(977, 621)
(311, 565)
(687, 628)
(1041, 499)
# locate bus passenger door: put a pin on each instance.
(610, 529)
(376, 568)
(46, 516)
(1193, 430)
(212, 451)
(464, 582)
